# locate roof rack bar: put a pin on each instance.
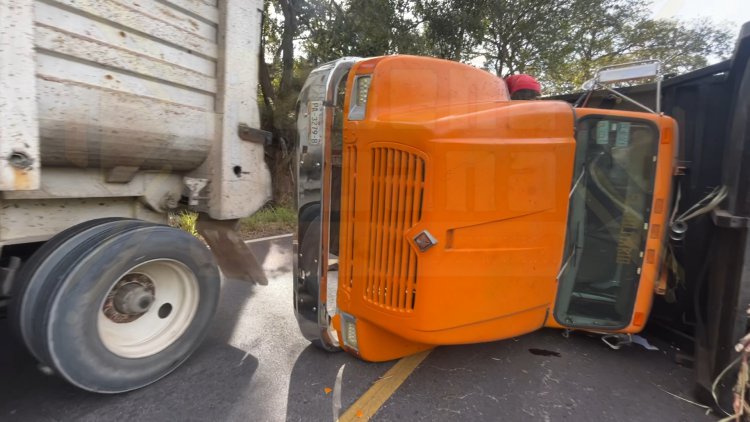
(633, 71)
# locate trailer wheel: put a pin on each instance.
(31, 279)
(123, 305)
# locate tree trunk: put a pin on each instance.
(287, 47)
(264, 76)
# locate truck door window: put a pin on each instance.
(610, 204)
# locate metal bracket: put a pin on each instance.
(257, 136)
(195, 186)
(626, 72)
(722, 218)
(615, 341)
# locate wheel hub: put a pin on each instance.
(129, 299)
(135, 321)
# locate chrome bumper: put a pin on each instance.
(315, 108)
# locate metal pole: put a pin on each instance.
(628, 98)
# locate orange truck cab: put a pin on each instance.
(434, 210)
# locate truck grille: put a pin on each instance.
(397, 187)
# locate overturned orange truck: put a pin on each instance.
(433, 210)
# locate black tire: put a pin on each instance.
(76, 278)
(27, 284)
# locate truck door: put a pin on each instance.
(616, 221)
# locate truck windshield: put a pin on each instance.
(610, 204)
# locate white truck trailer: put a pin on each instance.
(112, 114)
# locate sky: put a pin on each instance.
(731, 12)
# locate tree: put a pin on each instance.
(452, 28)
(326, 30)
(363, 28)
(606, 32)
(562, 43)
(523, 35)
(279, 85)
(594, 30)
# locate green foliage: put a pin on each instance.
(523, 36)
(562, 43)
(606, 32)
(185, 220)
(453, 29)
(363, 28)
(269, 221)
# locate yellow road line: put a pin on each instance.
(369, 403)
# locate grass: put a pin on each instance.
(269, 221)
(185, 220)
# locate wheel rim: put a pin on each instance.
(148, 308)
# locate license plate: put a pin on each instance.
(316, 122)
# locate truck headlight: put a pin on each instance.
(360, 93)
(363, 88)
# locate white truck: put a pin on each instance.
(112, 114)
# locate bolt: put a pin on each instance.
(20, 160)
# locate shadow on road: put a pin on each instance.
(27, 394)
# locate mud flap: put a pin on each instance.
(234, 257)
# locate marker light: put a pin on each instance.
(349, 331)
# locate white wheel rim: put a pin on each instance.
(175, 302)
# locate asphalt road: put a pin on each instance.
(255, 366)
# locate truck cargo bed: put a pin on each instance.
(122, 99)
